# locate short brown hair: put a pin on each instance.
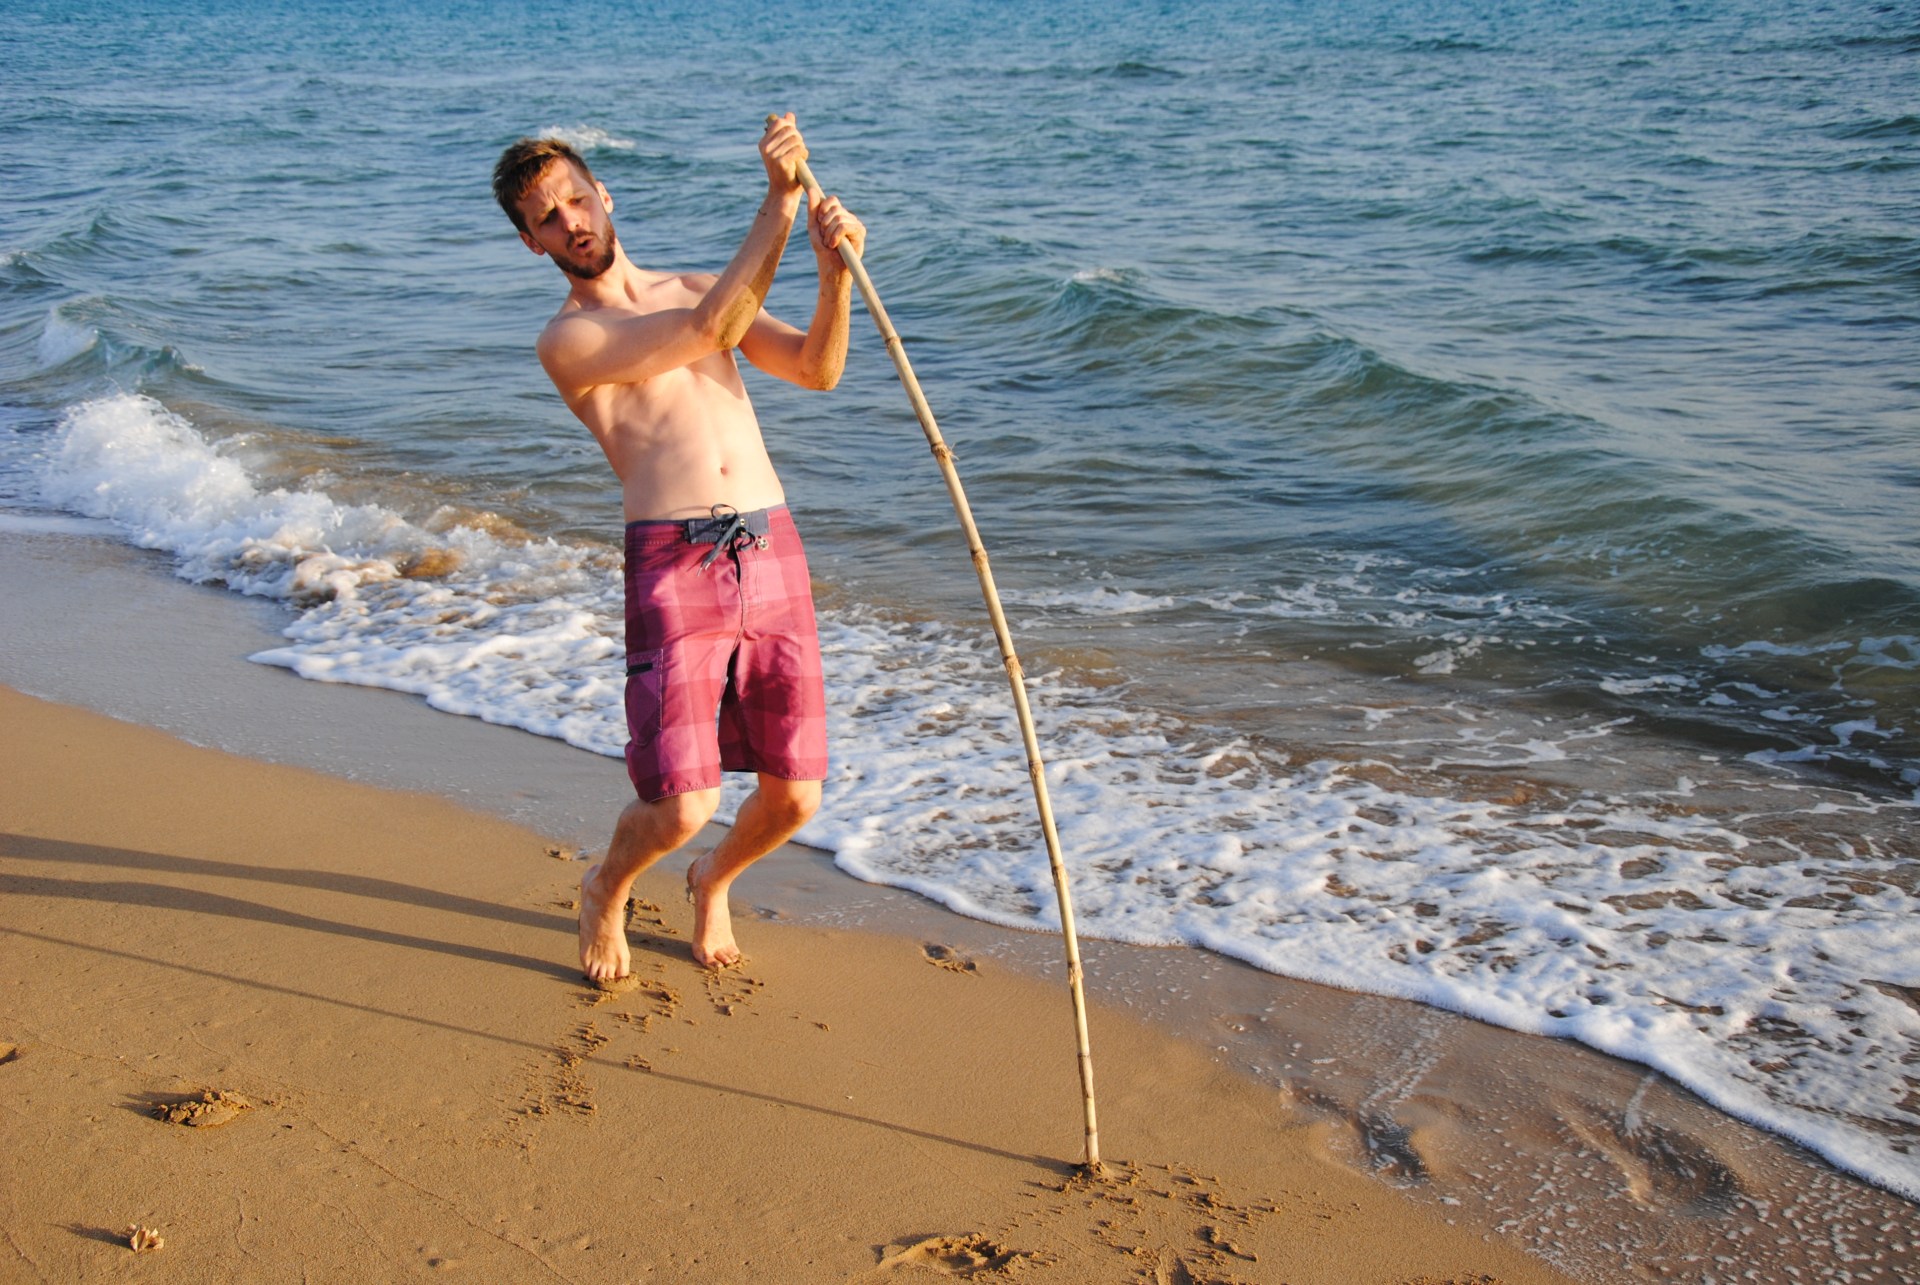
(521, 166)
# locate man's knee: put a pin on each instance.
(793, 803)
(678, 817)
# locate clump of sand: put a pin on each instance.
(207, 1109)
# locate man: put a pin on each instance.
(723, 662)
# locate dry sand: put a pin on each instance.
(306, 1029)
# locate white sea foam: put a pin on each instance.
(1092, 600)
(1843, 733)
(1772, 987)
(516, 634)
(587, 138)
(1107, 276)
(1651, 683)
(1460, 646)
(1899, 651)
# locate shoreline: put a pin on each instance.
(1664, 909)
(1543, 1139)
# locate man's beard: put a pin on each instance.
(588, 271)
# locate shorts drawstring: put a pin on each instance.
(728, 532)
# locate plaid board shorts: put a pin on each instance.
(723, 662)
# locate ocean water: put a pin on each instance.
(1454, 472)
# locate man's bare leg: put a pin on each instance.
(767, 819)
(644, 833)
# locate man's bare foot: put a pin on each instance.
(603, 932)
(713, 944)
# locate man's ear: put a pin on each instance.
(606, 197)
(531, 244)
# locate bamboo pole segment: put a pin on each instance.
(1036, 768)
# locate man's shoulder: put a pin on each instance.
(570, 318)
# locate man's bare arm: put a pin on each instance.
(581, 350)
(815, 358)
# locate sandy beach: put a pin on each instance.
(306, 1028)
(378, 985)
(1459, 540)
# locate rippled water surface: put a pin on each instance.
(1454, 477)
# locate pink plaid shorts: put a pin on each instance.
(723, 662)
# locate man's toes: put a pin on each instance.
(725, 957)
(604, 970)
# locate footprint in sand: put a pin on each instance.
(1168, 1224)
(1171, 1271)
(1661, 1168)
(954, 1256)
(948, 958)
(204, 1110)
(554, 1085)
(616, 985)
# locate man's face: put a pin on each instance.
(567, 217)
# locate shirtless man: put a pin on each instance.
(723, 663)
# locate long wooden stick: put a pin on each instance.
(1036, 769)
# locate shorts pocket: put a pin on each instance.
(644, 685)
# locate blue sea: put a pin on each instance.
(1454, 470)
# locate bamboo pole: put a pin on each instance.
(1036, 768)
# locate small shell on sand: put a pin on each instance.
(140, 1239)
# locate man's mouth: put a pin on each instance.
(586, 256)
